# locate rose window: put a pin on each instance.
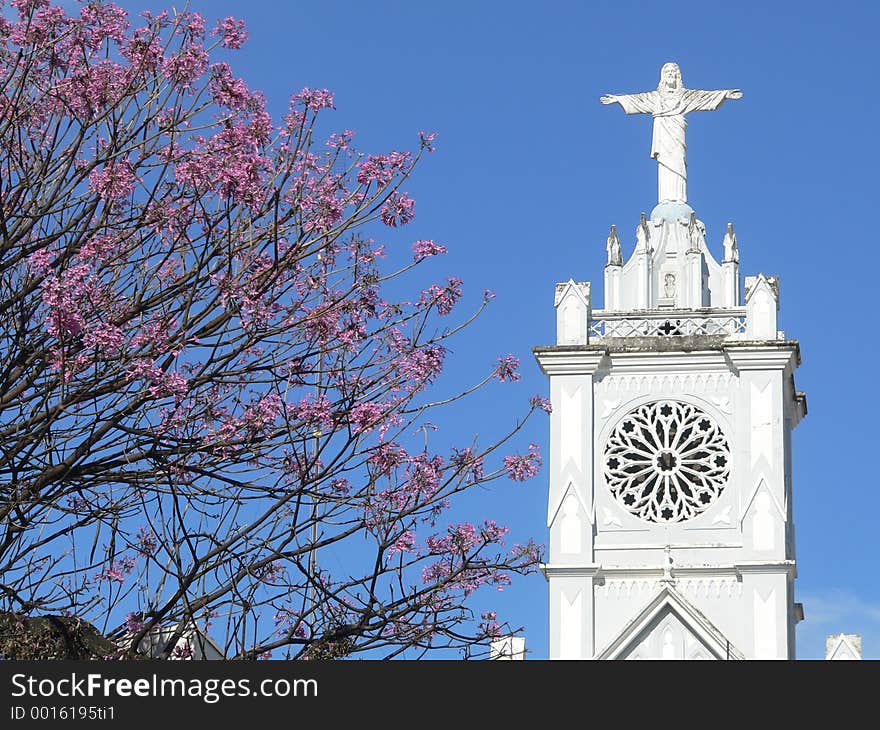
(666, 461)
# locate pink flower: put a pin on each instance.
(272, 572)
(489, 625)
(232, 32)
(520, 468)
(134, 622)
(444, 298)
(114, 181)
(420, 367)
(403, 544)
(492, 532)
(364, 416)
(340, 141)
(103, 335)
(186, 66)
(315, 411)
(168, 384)
(426, 138)
(537, 401)
(381, 169)
(117, 570)
(263, 413)
(103, 21)
(314, 99)
(398, 210)
(25, 7)
(39, 261)
(507, 369)
(424, 249)
(226, 89)
(386, 457)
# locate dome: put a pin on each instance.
(671, 211)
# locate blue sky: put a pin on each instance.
(530, 172)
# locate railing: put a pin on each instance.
(668, 323)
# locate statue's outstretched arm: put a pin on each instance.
(707, 101)
(631, 103)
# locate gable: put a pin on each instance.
(670, 627)
(667, 637)
(842, 649)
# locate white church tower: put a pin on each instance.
(670, 507)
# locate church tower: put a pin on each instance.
(670, 501)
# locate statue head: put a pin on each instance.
(670, 77)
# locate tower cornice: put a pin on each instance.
(570, 359)
(767, 355)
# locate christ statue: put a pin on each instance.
(668, 105)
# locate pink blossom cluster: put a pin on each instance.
(102, 22)
(103, 335)
(163, 383)
(186, 66)
(64, 295)
(168, 384)
(231, 31)
(92, 89)
(423, 476)
(405, 543)
(155, 334)
(426, 248)
(263, 413)
(537, 401)
(228, 90)
(230, 163)
(489, 626)
(313, 99)
(113, 182)
(398, 210)
(381, 169)
(117, 570)
(340, 140)
(427, 139)
(323, 202)
(525, 466)
(386, 457)
(457, 568)
(272, 572)
(288, 622)
(134, 622)
(40, 260)
(443, 298)
(315, 411)
(507, 368)
(364, 416)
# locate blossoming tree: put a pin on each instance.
(203, 388)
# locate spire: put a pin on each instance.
(643, 235)
(695, 235)
(731, 250)
(613, 247)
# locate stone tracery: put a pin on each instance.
(666, 461)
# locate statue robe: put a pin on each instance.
(668, 140)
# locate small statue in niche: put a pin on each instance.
(669, 286)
